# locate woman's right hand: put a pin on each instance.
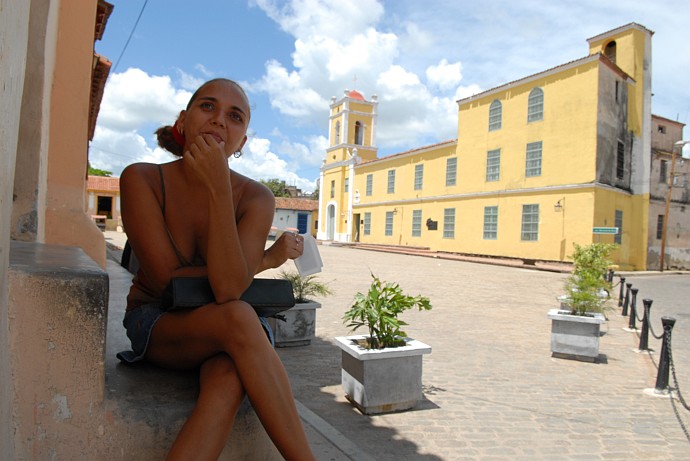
(207, 160)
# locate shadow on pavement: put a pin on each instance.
(314, 373)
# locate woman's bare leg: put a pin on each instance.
(183, 340)
(205, 433)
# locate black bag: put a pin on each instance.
(268, 297)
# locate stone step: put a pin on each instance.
(146, 405)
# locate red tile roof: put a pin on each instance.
(300, 204)
(103, 183)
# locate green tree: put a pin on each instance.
(277, 186)
(96, 172)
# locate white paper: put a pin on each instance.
(310, 262)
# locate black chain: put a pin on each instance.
(637, 316)
(651, 329)
(677, 389)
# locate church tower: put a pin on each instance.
(351, 140)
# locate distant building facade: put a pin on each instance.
(556, 158)
(665, 133)
(295, 213)
(103, 201)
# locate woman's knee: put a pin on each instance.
(241, 324)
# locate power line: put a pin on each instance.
(130, 37)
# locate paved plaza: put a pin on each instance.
(492, 391)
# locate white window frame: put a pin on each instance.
(449, 223)
(491, 222)
(529, 231)
(495, 115)
(390, 219)
(391, 182)
(418, 176)
(451, 171)
(535, 105)
(416, 223)
(533, 156)
(493, 165)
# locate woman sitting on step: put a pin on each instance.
(195, 216)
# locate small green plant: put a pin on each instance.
(305, 287)
(587, 289)
(378, 310)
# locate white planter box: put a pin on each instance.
(575, 336)
(382, 380)
(299, 327)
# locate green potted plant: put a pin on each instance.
(382, 371)
(576, 325)
(298, 326)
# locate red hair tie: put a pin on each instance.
(178, 135)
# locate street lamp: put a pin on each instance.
(668, 200)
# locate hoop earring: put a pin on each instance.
(237, 154)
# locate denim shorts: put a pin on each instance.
(139, 324)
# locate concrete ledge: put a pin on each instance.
(57, 316)
(146, 405)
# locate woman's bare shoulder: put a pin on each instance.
(252, 189)
(138, 170)
(149, 173)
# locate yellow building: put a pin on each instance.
(539, 163)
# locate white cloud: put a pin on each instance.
(133, 99)
(307, 155)
(190, 82)
(463, 92)
(260, 162)
(326, 18)
(287, 92)
(444, 76)
(353, 52)
(113, 150)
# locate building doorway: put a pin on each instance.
(330, 223)
(302, 222)
(355, 227)
(105, 206)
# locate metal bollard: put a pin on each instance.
(609, 276)
(620, 295)
(633, 310)
(662, 373)
(644, 334)
(626, 301)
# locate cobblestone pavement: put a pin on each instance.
(492, 391)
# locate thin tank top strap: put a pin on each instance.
(160, 173)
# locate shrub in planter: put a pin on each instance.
(305, 288)
(378, 311)
(299, 325)
(587, 289)
(382, 372)
(575, 327)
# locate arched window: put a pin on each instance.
(337, 132)
(359, 133)
(535, 105)
(610, 51)
(495, 116)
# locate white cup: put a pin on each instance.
(310, 262)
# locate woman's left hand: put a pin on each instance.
(288, 246)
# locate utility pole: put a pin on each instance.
(671, 180)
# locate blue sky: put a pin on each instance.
(418, 57)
